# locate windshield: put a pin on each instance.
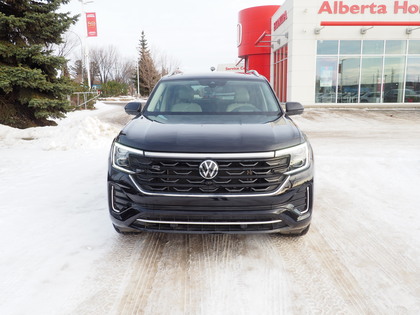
(213, 101)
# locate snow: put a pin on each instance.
(53, 196)
(60, 255)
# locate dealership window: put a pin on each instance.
(327, 47)
(414, 47)
(348, 79)
(326, 80)
(280, 73)
(393, 79)
(370, 71)
(395, 47)
(373, 47)
(412, 80)
(350, 47)
(370, 80)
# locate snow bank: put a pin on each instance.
(53, 216)
(80, 129)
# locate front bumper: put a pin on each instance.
(286, 209)
(288, 212)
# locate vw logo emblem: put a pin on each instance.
(208, 169)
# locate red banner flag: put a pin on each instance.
(91, 24)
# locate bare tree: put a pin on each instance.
(124, 70)
(107, 65)
(164, 63)
(71, 42)
(105, 60)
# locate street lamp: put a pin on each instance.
(82, 57)
(86, 56)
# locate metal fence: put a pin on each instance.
(83, 98)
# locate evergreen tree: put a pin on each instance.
(30, 89)
(114, 88)
(147, 69)
(78, 71)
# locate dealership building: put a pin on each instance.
(336, 53)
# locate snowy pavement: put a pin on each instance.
(60, 255)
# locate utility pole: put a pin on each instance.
(138, 77)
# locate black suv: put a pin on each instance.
(212, 153)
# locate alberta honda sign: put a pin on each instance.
(344, 7)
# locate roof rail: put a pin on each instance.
(175, 72)
(254, 72)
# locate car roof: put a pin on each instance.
(215, 75)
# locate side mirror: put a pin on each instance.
(133, 108)
(294, 108)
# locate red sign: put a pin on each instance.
(280, 20)
(91, 24)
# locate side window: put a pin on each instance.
(157, 101)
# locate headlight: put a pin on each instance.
(121, 157)
(299, 158)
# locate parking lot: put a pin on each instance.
(361, 255)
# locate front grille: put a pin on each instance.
(160, 175)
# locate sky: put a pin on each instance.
(196, 35)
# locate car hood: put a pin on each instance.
(148, 135)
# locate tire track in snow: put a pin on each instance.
(387, 276)
(213, 255)
(244, 275)
(318, 281)
(281, 301)
(104, 283)
(354, 299)
(204, 274)
(143, 267)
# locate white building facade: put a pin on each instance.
(350, 52)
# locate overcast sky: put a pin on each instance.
(197, 34)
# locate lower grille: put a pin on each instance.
(119, 199)
(301, 199)
(158, 175)
(206, 225)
